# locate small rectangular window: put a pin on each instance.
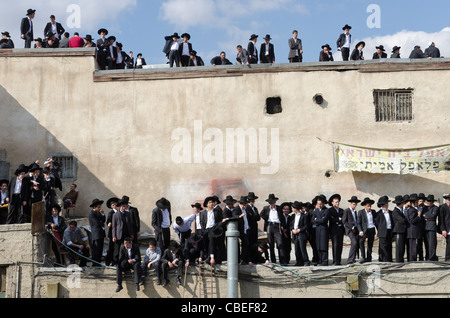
(66, 166)
(393, 105)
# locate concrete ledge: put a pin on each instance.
(70, 52)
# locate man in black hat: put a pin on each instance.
(111, 204)
(379, 54)
(366, 228)
(399, 230)
(252, 50)
(172, 258)
(299, 228)
(240, 211)
(121, 227)
(349, 220)
(431, 217)
(55, 27)
(111, 53)
(194, 249)
(344, 42)
(198, 209)
(102, 48)
(422, 242)
(414, 230)
(26, 28)
(36, 181)
(295, 48)
(51, 41)
(396, 52)
(161, 222)
(19, 195)
(174, 53)
(358, 54)
(185, 49)
(129, 258)
(253, 219)
(10, 43)
(267, 51)
(272, 214)
(444, 220)
(286, 207)
(337, 230)
(210, 220)
(4, 197)
(97, 223)
(195, 60)
(326, 55)
(321, 217)
(384, 223)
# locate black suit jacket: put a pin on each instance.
(262, 53)
(341, 40)
(303, 223)
(323, 57)
(59, 29)
(97, 223)
(199, 62)
(400, 221)
(265, 216)
(431, 215)
(363, 222)
(355, 56)
(414, 230)
(168, 257)
(218, 217)
(376, 56)
(251, 48)
(25, 26)
(349, 223)
(157, 218)
(381, 224)
(61, 224)
(25, 189)
(180, 49)
(444, 218)
(36, 195)
(218, 61)
(123, 254)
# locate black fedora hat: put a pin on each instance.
(35, 167)
(174, 245)
(253, 36)
(88, 38)
(163, 203)
(20, 169)
(422, 196)
(194, 238)
(251, 196)
(229, 200)
(96, 202)
(102, 30)
(398, 199)
(272, 198)
(359, 43)
(186, 35)
(395, 48)
(289, 204)
(298, 205)
(205, 202)
(30, 11)
(243, 200)
(334, 196)
(380, 47)
(267, 37)
(126, 199)
(447, 197)
(175, 35)
(112, 37)
(320, 197)
(413, 197)
(354, 199)
(430, 198)
(216, 199)
(216, 232)
(193, 53)
(122, 202)
(345, 27)
(383, 200)
(6, 33)
(327, 46)
(110, 201)
(57, 207)
(4, 181)
(197, 205)
(38, 40)
(367, 201)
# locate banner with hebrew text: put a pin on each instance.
(391, 161)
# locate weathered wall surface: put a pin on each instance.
(129, 134)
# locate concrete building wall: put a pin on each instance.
(125, 128)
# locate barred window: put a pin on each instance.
(67, 168)
(393, 105)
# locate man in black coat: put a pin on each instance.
(121, 228)
(299, 227)
(102, 48)
(321, 217)
(267, 51)
(129, 259)
(384, 223)
(111, 204)
(54, 26)
(432, 51)
(400, 226)
(431, 217)
(396, 52)
(336, 228)
(357, 53)
(252, 50)
(273, 216)
(195, 60)
(220, 60)
(26, 28)
(417, 53)
(172, 258)
(349, 219)
(211, 223)
(19, 196)
(253, 218)
(135, 219)
(97, 223)
(161, 222)
(444, 220)
(366, 228)
(380, 53)
(185, 49)
(344, 42)
(414, 230)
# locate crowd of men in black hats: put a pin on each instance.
(180, 53)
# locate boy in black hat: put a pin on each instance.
(19, 195)
(326, 55)
(129, 258)
(384, 223)
(102, 48)
(111, 204)
(10, 43)
(26, 28)
(172, 258)
(195, 60)
(444, 220)
(185, 49)
(358, 54)
(321, 217)
(414, 230)
(161, 221)
(400, 226)
(349, 220)
(336, 228)
(97, 223)
(379, 54)
(174, 53)
(56, 224)
(267, 51)
(366, 228)
(272, 214)
(4, 192)
(395, 52)
(252, 50)
(431, 217)
(299, 228)
(344, 42)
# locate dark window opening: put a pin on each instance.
(273, 106)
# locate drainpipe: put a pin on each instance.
(232, 235)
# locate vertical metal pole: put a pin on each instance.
(232, 258)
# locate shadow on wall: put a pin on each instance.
(25, 140)
(375, 184)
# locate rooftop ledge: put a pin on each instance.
(368, 66)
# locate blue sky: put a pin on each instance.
(217, 25)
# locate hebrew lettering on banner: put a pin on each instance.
(391, 161)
